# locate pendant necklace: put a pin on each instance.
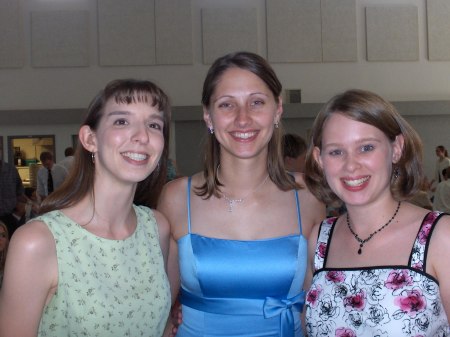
(231, 202)
(361, 241)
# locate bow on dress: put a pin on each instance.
(285, 308)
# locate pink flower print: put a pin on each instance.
(313, 296)
(412, 303)
(344, 332)
(398, 279)
(322, 249)
(357, 301)
(424, 233)
(335, 276)
(418, 265)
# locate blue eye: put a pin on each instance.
(335, 152)
(367, 148)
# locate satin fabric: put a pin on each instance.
(242, 288)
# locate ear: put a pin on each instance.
(317, 157)
(397, 148)
(279, 110)
(207, 118)
(88, 138)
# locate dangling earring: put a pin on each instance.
(396, 173)
(211, 130)
(93, 157)
(276, 125)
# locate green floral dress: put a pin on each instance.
(107, 287)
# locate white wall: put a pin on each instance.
(36, 88)
(73, 87)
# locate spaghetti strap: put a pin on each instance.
(188, 198)
(299, 218)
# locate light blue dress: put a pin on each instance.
(242, 288)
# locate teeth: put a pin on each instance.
(135, 156)
(356, 182)
(244, 135)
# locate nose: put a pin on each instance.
(242, 116)
(352, 162)
(141, 134)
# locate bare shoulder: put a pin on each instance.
(33, 238)
(313, 211)
(173, 192)
(441, 233)
(162, 222)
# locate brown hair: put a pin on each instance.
(261, 68)
(443, 149)
(293, 145)
(80, 181)
(367, 107)
(4, 251)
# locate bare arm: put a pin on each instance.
(29, 281)
(439, 252)
(164, 235)
(172, 204)
(312, 210)
(312, 241)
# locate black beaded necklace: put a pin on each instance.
(361, 241)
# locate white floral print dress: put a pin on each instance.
(376, 301)
(107, 287)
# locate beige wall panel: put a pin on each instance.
(126, 32)
(294, 31)
(392, 33)
(339, 42)
(60, 39)
(438, 19)
(173, 32)
(11, 37)
(226, 30)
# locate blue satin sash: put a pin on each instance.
(268, 307)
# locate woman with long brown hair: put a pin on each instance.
(93, 263)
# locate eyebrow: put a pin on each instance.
(232, 96)
(157, 115)
(360, 141)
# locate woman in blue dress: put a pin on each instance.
(239, 227)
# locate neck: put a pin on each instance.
(239, 180)
(365, 220)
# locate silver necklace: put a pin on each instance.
(231, 202)
(361, 241)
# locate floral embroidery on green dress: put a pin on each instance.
(107, 287)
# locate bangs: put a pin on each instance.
(130, 97)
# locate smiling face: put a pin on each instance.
(357, 159)
(242, 113)
(128, 142)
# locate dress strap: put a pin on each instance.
(188, 199)
(323, 241)
(299, 218)
(418, 257)
(268, 307)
